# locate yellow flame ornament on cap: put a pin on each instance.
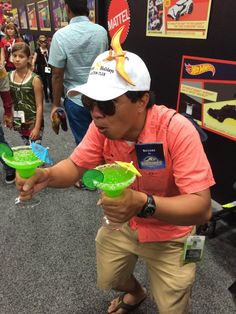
(129, 166)
(119, 56)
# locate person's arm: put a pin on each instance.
(38, 93)
(63, 174)
(184, 210)
(57, 60)
(7, 103)
(57, 88)
(2, 56)
(34, 60)
(187, 209)
(6, 98)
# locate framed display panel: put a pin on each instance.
(59, 14)
(14, 12)
(207, 92)
(32, 18)
(178, 18)
(92, 10)
(44, 15)
(22, 17)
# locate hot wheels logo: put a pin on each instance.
(198, 69)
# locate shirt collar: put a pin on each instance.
(80, 18)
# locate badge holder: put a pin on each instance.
(18, 119)
(47, 70)
(193, 248)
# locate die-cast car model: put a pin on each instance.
(181, 7)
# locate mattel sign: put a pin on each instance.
(118, 16)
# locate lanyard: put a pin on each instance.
(13, 42)
(45, 55)
(9, 44)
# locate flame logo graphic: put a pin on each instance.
(198, 69)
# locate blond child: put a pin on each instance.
(11, 37)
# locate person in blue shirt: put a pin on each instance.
(72, 52)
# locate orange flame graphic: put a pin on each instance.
(198, 69)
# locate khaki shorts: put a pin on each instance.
(170, 279)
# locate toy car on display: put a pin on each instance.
(155, 15)
(181, 7)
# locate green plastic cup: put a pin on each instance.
(116, 179)
(23, 160)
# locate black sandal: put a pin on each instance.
(122, 305)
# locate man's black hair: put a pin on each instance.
(78, 7)
(135, 96)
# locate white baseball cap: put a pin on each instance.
(105, 83)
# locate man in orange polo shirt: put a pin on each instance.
(162, 206)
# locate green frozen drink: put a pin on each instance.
(116, 179)
(23, 160)
(112, 179)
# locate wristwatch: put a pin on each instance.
(149, 208)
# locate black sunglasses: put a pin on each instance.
(107, 107)
(43, 41)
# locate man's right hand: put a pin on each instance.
(28, 187)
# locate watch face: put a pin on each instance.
(149, 210)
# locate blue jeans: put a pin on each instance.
(8, 169)
(79, 119)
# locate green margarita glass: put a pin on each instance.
(116, 179)
(25, 162)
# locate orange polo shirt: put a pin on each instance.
(186, 171)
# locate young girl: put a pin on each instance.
(41, 66)
(12, 37)
(27, 93)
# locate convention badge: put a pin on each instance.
(18, 119)
(47, 70)
(193, 248)
(20, 114)
(150, 156)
